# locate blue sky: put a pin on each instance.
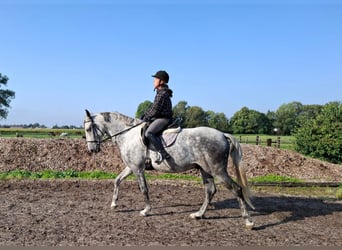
(65, 56)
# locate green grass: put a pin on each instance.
(67, 174)
(39, 132)
(338, 193)
(325, 192)
(99, 175)
(49, 174)
(272, 178)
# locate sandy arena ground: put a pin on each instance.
(77, 213)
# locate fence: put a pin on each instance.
(277, 142)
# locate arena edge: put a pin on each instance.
(268, 183)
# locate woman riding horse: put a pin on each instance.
(159, 115)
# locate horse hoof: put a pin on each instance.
(113, 206)
(249, 224)
(143, 213)
(195, 216)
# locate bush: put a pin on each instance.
(321, 136)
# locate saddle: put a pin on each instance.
(167, 137)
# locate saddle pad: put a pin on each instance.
(169, 136)
(172, 130)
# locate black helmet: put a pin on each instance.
(162, 75)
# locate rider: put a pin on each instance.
(159, 114)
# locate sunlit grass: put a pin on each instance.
(272, 178)
(325, 192)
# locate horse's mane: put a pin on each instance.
(129, 121)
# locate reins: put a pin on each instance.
(122, 132)
(112, 136)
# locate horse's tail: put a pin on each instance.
(236, 154)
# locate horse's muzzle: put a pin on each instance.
(94, 148)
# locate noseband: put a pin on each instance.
(95, 129)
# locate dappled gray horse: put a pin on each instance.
(204, 148)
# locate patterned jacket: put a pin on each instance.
(162, 105)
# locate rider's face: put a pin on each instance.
(156, 82)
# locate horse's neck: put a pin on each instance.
(119, 122)
(130, 137)
(114, 127)
(126, 120)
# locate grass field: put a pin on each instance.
(40, 132)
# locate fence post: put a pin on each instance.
(278, 142)
(257, 140)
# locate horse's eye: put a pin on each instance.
(88, 129)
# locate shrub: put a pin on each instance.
(321, 136)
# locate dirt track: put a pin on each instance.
(77, 213)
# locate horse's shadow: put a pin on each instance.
(163, 210)
(285, 209)
(292, 208)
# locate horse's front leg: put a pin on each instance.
(144, 189)
(126, 172)
(210, 191)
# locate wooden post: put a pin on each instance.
(278, 142)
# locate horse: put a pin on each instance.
(203, 148)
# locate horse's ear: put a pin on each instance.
(88, 113)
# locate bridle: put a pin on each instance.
(96, 129)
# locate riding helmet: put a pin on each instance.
(162, 75)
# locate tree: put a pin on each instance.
(179, 110)
(218, 121)
(308, 112)
(142, 108)
(286, 117)
(271, 118)
(321, 136)
(6, 96)
(248, 121)
(195, 117)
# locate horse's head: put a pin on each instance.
(106, 124)
(93, 132)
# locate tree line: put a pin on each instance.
(42, 126)
(316, 128)
(283, 121)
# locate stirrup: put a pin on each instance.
(161, 158)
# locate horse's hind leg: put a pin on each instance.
(236, 189)
(210, 190)
(126, 172)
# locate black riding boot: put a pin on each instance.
(162, 154)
